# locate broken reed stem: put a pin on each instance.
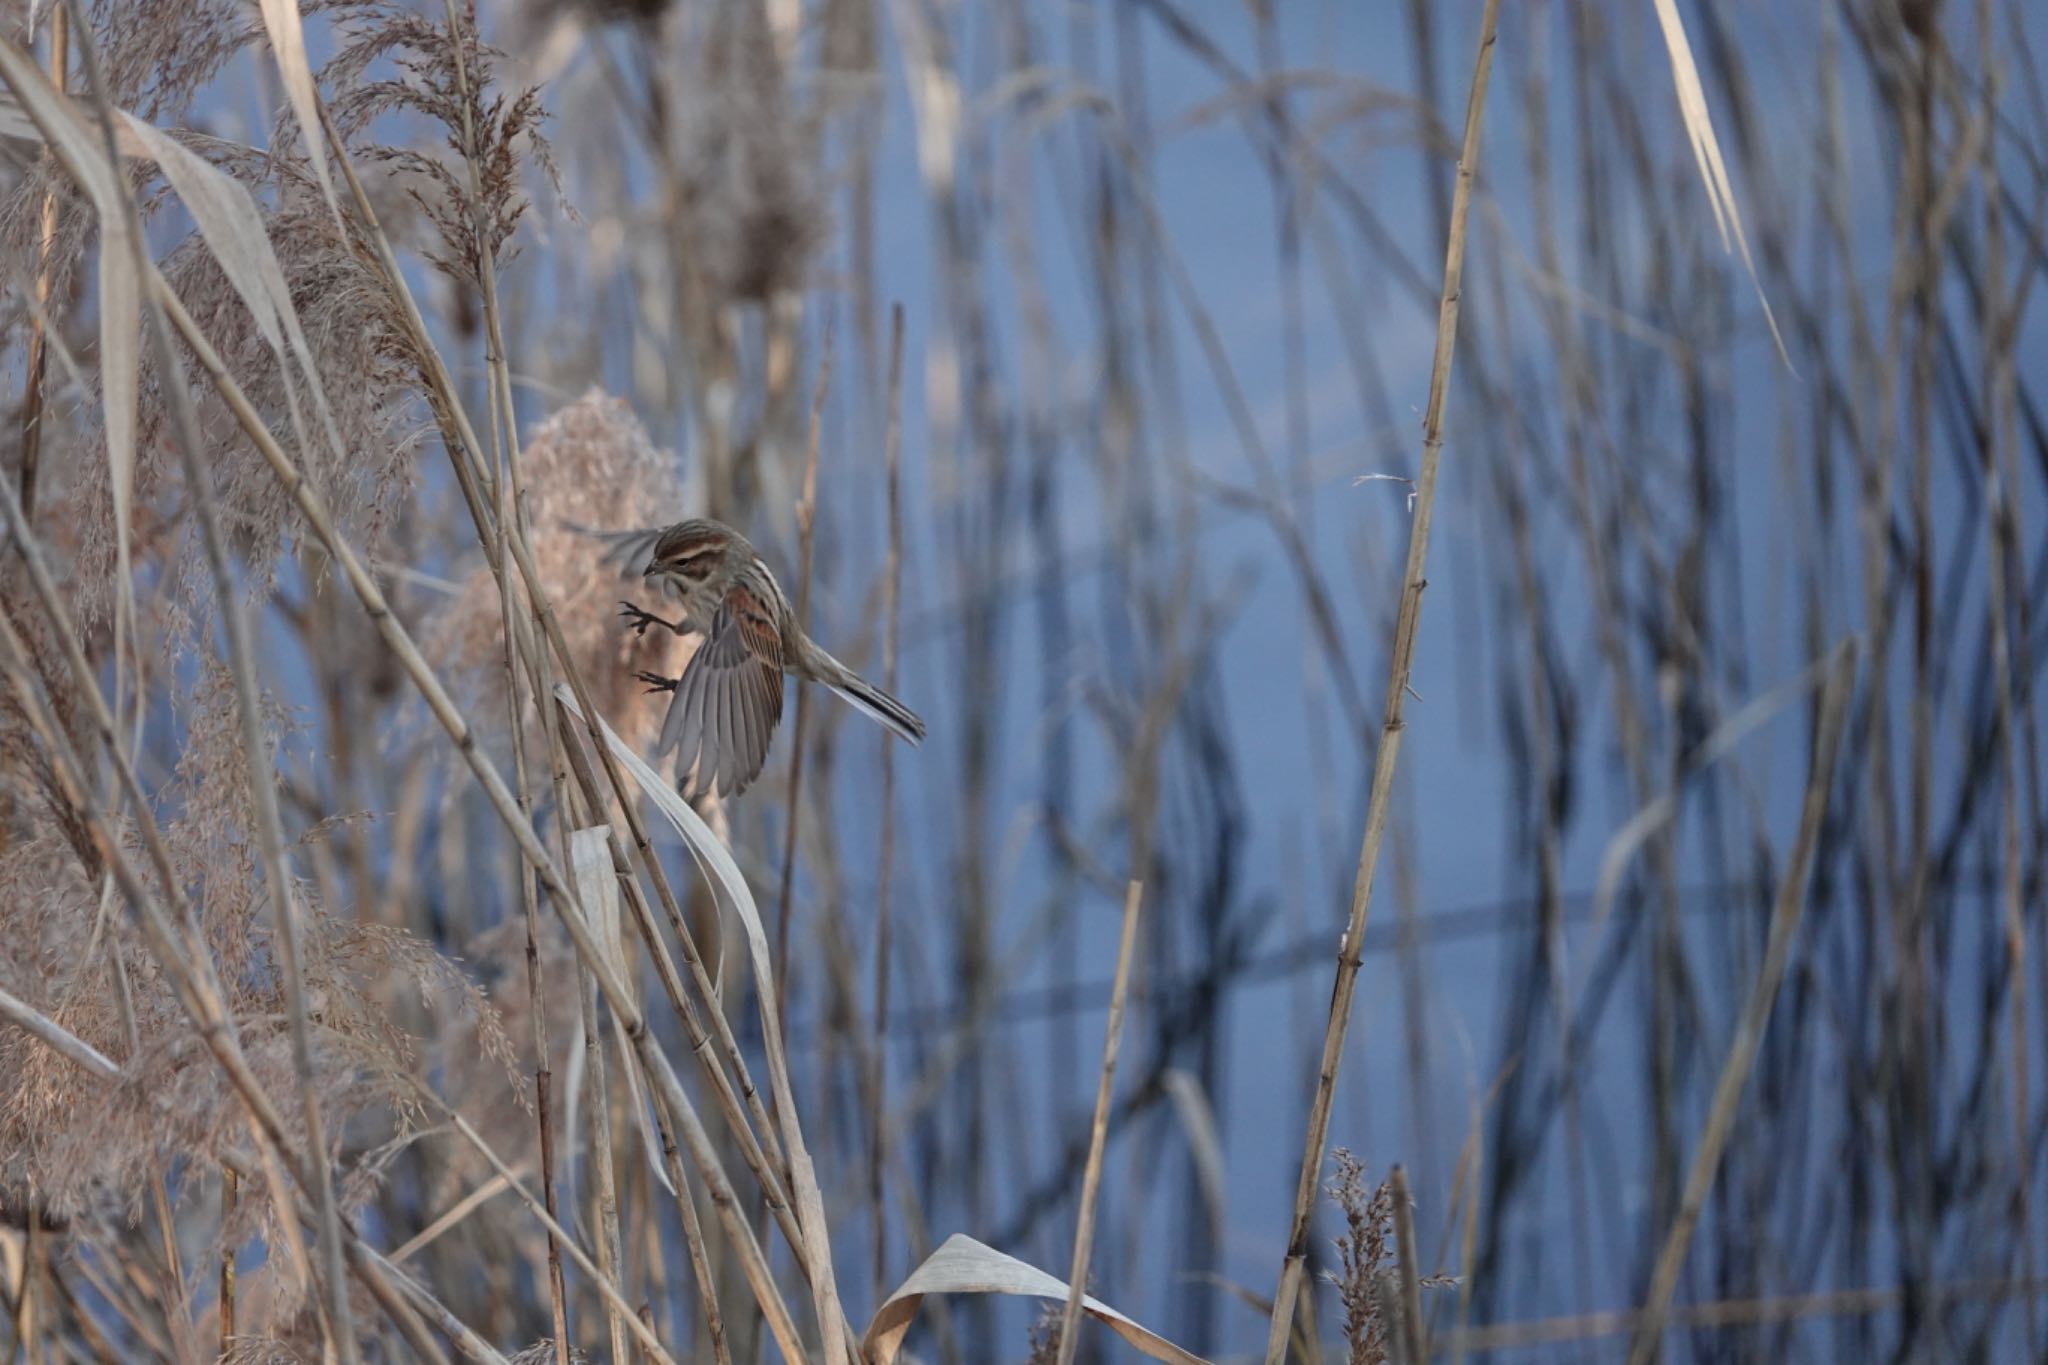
(1756, 1011)
(230, 1189)
(1098, 1131)
(32, 1021)
(1294, 1267)
(892, 626)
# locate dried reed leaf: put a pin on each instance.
(965, 1266)
(597, 886)
(232, 227)
(287, 33)
(1706, 150)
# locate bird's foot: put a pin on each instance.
(656, 683)
(641, 619)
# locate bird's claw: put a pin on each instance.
(641, 619)
(656, 683)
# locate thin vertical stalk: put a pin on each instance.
(1295, 1265)
(230, 1189)
(693, 1239)
(1407, 1264)
(1756, 1011)
(1999, 327)
(1098, 1132)
(806, 521)
(892, 628)
(32, 403)
(610, 1260)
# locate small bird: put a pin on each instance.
(724, 708)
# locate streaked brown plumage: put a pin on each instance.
(723, 711)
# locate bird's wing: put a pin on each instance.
(725, 709)
(625, 551)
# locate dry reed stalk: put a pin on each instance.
(1401, 663)
(892, 618)
(507, 477)
(460, 1210)
(543, 1076)
(610, 1255)
(713, 1321)
(1412, 1331)
(1756, 1011)
(33, 401)
(806, 521)
(33, 1021)
(1098, 1131)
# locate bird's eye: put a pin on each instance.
(694, 565)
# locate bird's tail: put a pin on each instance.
(868, 699)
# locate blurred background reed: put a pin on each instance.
(1071, 361)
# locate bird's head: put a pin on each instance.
(688, 554)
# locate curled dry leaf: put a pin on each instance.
(965, 1266)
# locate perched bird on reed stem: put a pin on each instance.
(723, 710)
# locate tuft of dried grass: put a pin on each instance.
(1362, 1252)
(1045, 1336)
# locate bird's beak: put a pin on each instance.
(648, 572)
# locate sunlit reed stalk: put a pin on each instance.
(1400, 664)
(1098, 1130)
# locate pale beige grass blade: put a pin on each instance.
(287, 32)
(1706, 150)
(965, 1266)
